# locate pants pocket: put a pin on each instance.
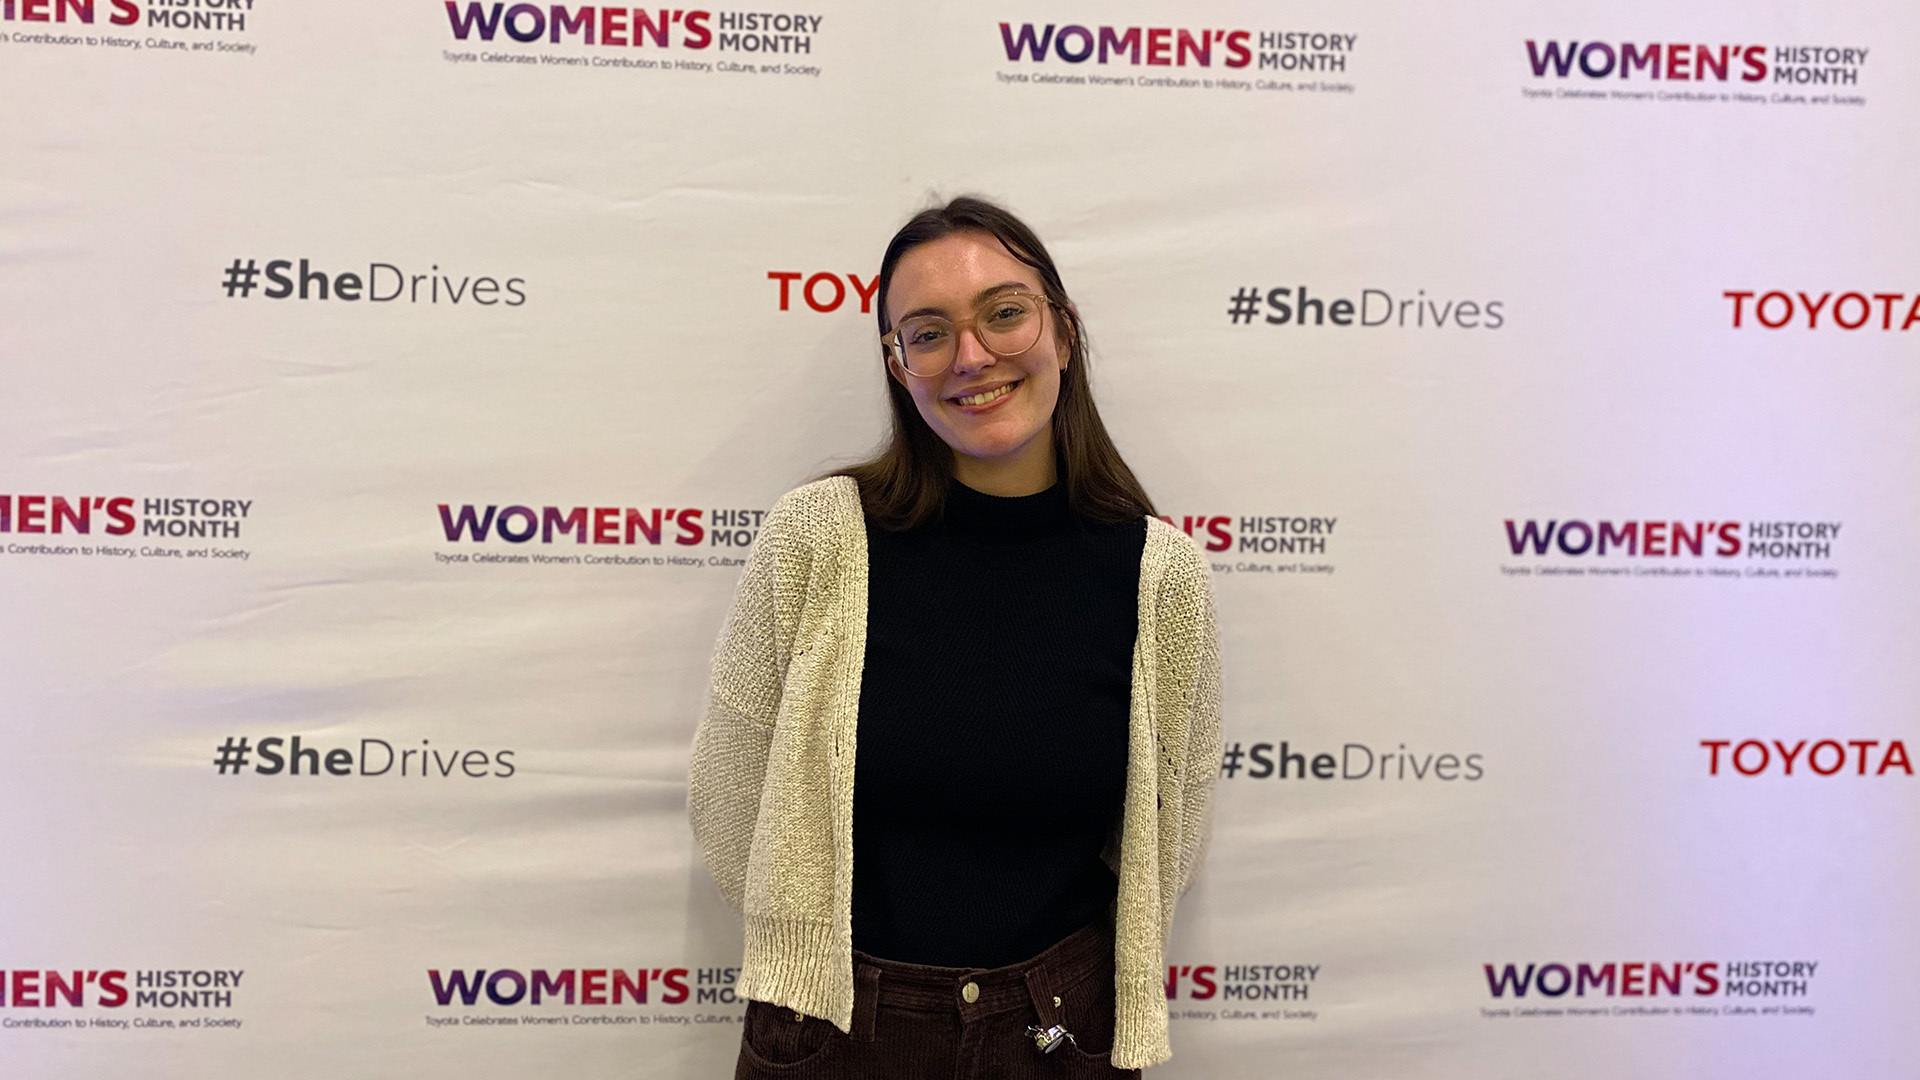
(774, 1044)
(1086, 1009)
(1081, 1065)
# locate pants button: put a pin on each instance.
(970, 993)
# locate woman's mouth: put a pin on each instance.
(982, 402)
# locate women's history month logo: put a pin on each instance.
(1276, 545)
(1721, 73)
(544, 533)
(95, 526)
(130, 25)
(583, 998)
(42, 998)
(687, 40)
(1710, 988)
(1694, 548)
(1162, 57)
(1242, 991)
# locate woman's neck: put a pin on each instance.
(1030, 470)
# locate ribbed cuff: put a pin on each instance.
(801, 965)
(1140, 1025)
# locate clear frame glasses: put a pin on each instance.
(1007, 324)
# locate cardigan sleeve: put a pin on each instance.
(1203, 719)
(728, 765)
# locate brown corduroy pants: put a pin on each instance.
(918, 1022)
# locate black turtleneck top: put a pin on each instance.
(991, 748)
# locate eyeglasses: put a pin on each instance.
(1008, 324)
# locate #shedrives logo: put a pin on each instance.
(1355, 761)
(1300, 306)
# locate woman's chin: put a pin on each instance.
(987, 449)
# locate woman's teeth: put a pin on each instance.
(983, 398)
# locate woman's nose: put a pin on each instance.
(969, 353)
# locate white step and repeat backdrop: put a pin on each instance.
(393, 387)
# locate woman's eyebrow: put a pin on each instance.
(978, 299)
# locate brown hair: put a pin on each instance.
(905, 484)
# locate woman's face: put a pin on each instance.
(1010, 436)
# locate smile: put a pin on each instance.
(987, 397)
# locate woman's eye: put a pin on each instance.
(924, 336)
(1007, 313)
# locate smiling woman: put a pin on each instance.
(946, 265)
(959, 680)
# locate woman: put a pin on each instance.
(1031, 659)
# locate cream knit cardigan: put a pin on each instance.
(770, 790)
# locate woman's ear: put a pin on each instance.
(1067, 334)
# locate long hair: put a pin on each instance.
(905, 484)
